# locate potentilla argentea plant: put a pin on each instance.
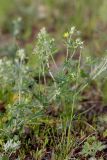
(34, 89)
(11, 146)
(45, 46)
(45, 49)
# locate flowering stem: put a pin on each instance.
(67, 54)
(20, 80)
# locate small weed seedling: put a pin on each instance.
(91, 147)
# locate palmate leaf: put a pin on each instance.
(91, 147)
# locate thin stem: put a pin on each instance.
(39, 78)
(67, 54)
(104, 66)
(54, 62)
(20, 81)
(44, 73)
(77, 77)
(51, 73)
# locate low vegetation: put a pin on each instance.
(50, 110)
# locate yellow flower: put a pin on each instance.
(66, 34)
(15, 97)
